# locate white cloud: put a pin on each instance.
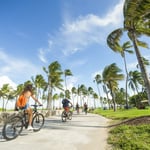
(71, 81)
(75, 35)
(16, 68)
(42, 54)
(7, 80)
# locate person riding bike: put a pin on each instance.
(23, 102)
(66, 103)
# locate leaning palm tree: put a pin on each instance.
(114, 45)
(137, 23)
(95, 96)
(111, 75)
(98, 80)
(67, 72)
(135, 79)
(74, 94)
(54, 81)
(39, 83)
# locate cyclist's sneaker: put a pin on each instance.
(30, 128)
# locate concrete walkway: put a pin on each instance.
(83, 132)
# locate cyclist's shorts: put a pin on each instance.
(25, 107)
(66, 109)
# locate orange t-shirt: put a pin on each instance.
(21, 102)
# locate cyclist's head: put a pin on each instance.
(28, 87)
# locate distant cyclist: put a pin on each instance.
(66, 103)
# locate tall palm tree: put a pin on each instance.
(95, 96)
(67, 72)
(54, 73)
(137, 23)
(55, 97)
(90, 93)
(61, 96)
(74, 93)
(112, 41)
(111, 75)
(39, 83)
(83, 93)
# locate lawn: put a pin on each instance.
(122, 114)
(128, 137)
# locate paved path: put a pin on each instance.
(83, 132)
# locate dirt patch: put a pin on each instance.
(138, 121)
(134, 121)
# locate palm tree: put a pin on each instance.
(137, 23)
(135, 79)
(120, 97)
(67, 72)
(4, 93)
(83, 93)
(39, 83)
(55, 97)
(61, 96)
(90, 92)
(95, 96)
(111, 76)
(54, 81)
(98, 80)
(112, 41)
(74, 93)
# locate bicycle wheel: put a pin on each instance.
(64, 116)
(38, 122)
(12, 128)
(69, 115)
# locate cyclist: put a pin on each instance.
(66, 103)
(77, 108)
(23, 102)
(85, 107)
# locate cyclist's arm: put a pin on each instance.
(71, 104)
(33, 97)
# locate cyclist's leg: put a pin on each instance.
(29, 111)
(64, 115)
(67, 109)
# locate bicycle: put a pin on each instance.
(66, 115)
(14, 125)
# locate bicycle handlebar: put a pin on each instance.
(35, 105)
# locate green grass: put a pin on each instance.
(122, 114)
(130, 137)
(127, 137)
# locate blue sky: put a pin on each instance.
(34, 33)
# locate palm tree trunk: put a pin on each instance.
(112, 95)
(100, 96)
(142, 67)
(127, 77)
